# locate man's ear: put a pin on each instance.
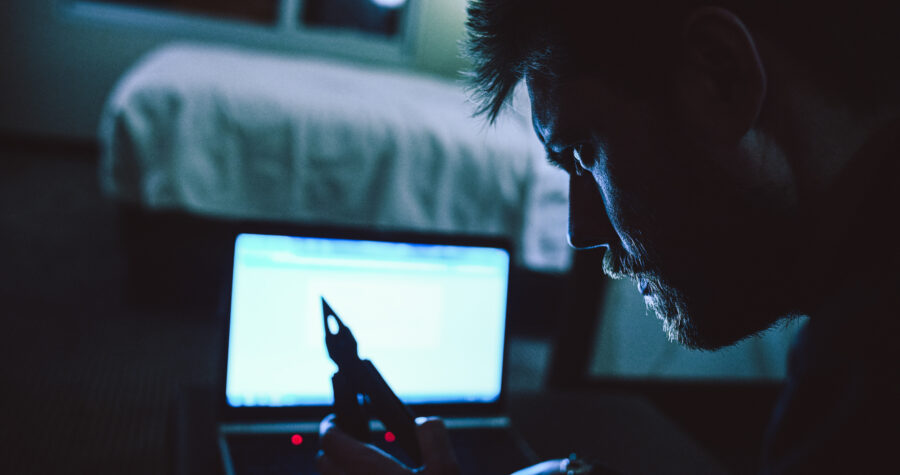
(720, 81)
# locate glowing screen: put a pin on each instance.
(430, 317)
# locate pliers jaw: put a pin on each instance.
(338, 339)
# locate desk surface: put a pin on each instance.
(626, 432)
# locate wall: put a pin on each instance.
(441, 29)
(58, 71)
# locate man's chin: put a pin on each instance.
(681, 330)
(691, 328)
(677, 327)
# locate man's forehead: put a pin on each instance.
(556, 108)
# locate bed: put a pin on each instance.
(225, 133)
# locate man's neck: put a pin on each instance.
(854, 228)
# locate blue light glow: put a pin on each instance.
(389, 3)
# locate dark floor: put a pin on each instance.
(88, 380)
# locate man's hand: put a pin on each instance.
(550, 467)
(341, 454)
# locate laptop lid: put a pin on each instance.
(428, 310)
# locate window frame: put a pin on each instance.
(287, 33)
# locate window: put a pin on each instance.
(380, 17)
(376, 31)
(257, 11)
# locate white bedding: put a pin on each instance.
(232, 133)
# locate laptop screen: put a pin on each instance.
(430, 317)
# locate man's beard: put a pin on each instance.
(697, 323)
(663, 300)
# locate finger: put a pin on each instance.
(549, 467)
(326, 466)
(326, 423)
(352, 456)
(437, 451)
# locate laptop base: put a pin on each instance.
(481, 450)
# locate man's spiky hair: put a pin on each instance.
(507, 39)
(847, 46)
(502, 42)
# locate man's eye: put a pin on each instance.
(582, 158)
(562, 160)
(583, 155)
(577, 159)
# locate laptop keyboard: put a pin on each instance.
(479, 451)
(272, 454)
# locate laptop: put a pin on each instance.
(428, 310)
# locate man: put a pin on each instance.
(739, 161)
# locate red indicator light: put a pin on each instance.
(296, 439)
(389, 436)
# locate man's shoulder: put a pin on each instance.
(838, 411)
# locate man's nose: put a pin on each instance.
(589, 226)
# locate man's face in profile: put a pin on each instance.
(712, 260)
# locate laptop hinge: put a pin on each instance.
(495, 422)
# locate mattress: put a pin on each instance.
(230, 133)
